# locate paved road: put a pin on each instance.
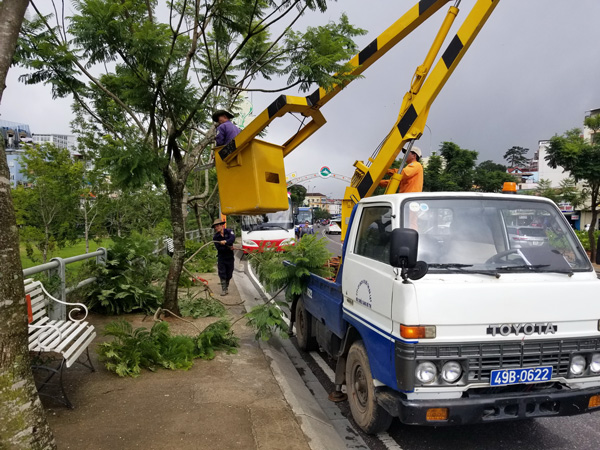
(334, 244)
(578, 432)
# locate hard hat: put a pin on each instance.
(415, 150)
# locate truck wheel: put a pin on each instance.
(367, 414)
(306, 341)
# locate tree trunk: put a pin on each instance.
(198, 213)
(176, 191)
(86, 229)
(46, 244)
(23, 424)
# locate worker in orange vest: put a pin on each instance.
(412, 175)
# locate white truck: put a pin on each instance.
(436, 316)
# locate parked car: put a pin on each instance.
(526, 236)
(333, 228)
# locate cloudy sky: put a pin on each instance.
(533, 72)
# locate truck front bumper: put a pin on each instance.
(489, 408)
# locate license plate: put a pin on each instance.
(504, 377)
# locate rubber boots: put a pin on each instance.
(224, 285)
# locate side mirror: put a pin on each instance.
(403, 251)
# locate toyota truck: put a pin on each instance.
(437, 317)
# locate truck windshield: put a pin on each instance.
(493, 234)
(279, 219)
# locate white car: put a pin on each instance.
(333, 228)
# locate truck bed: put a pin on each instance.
(323, 300)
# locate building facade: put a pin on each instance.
(16, 136)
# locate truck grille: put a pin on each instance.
(485, 357)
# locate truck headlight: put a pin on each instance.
(451, 371)
(248, 243)
(288, 241)
(595, 363)
(577, 365)
(426, 372)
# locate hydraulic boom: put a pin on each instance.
(260, 164)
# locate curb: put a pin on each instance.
(321, 421)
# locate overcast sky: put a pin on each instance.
(532, 72)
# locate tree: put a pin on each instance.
(490, 176)
(49, 205)
(545, 189)
(23, 424)
(319, 214)
(297, 194)
(515, 156)
(582, 159)
(150, 108)
(459, 169)
(128, 210)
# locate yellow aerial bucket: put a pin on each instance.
(253, 182)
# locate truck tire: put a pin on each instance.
(306, 341)
(367, 413)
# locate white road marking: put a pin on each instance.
(326, 236)
(388, 441)
(323, 365)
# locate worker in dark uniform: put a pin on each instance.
(223, 240)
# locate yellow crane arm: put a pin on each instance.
(416, 104)
(260, 164)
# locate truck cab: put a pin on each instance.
(488, 330)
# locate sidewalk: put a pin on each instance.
(233, 401)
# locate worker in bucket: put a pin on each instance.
(223, 239)
(226, 130)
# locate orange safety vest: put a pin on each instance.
(412, 178)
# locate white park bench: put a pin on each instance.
(68, 339)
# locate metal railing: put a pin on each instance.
(58, 267)
(204, 234)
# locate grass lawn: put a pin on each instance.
(73, 250)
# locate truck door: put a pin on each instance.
(367, 285)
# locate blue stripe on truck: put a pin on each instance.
(380, 349)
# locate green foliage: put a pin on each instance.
(454, 170)
(216, 337)
(131, 350)
(125, 283)
(145, 111)
(48, 208)
(316, 54)
(297, 194)
(196, 306)
(584, 238)
(319, 213)
(309, 255)
(205, 261)
(490, 176)
(266, 320)
(582, 159)
(515, 157)
(567, 192)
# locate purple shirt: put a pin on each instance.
(226, 132)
